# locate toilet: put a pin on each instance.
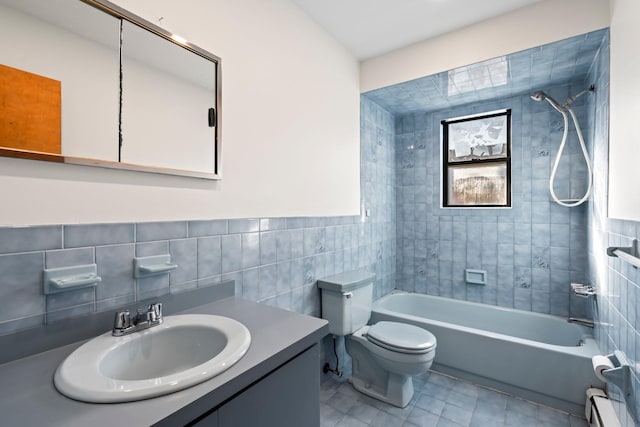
(384, 355)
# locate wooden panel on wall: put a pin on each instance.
(30, 112)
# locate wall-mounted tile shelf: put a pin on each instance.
(629, 254)
(65, 279)
(152, 266)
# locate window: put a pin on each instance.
(477, 160)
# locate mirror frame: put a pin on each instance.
(120, 13)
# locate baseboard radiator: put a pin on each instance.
(599, 410)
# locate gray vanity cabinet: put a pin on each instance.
(210, 420)
(288, 396)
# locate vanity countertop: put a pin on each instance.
(29, 398)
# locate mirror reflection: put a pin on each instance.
(167, 92)
(44, 51)
(86, 82)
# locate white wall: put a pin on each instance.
(290, 129)
(535, 25)
(624, 149)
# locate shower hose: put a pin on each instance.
(563, 110)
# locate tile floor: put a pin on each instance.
(439, 401)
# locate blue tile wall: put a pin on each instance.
(274, 267)
(273, 260)
(532, 251)
(378, 195)
(618, 306)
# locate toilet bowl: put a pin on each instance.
(385, 355)
(381, 367)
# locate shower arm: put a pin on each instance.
(571, 99)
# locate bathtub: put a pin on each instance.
(536, 356)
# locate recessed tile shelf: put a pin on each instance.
(475, 277)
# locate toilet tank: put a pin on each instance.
(346, 300)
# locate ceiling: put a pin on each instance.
(558, 63)
(372, 27)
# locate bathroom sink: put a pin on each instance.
(181, 352)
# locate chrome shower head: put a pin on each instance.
(538, 96)
(541, 96)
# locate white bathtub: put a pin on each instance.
(536, 356)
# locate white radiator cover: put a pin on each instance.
(599, 410)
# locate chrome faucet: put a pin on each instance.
(582, 291)
(124, 323)
(581, 321)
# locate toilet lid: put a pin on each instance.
(401, 337)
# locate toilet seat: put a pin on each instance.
(401, 337)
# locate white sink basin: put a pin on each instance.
(181, 352)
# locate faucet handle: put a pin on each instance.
(154, 312)
(122, 320)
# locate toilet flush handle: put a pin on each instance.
(348, 295)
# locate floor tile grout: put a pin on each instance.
(439, 400)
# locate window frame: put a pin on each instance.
(504, 160)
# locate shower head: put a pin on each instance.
(538, 95)
(541, 96)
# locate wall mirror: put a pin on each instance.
(86, 82)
